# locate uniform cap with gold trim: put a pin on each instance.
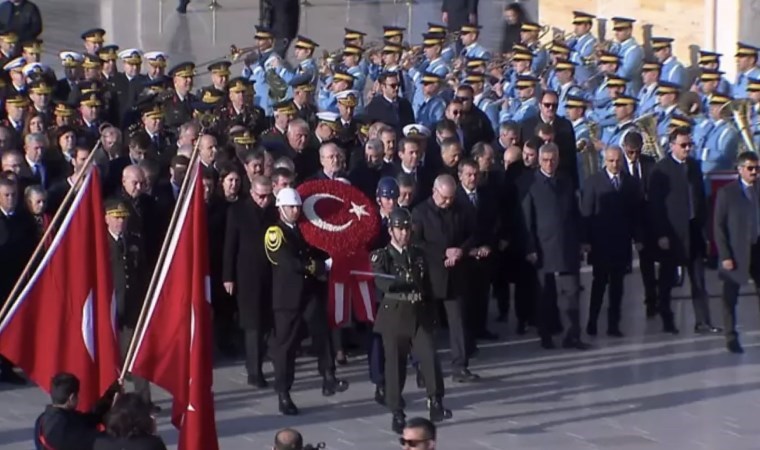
(352, 50)
(573, 101)
(152, 111)
(564, 65)
(63, 109)
(678, 121)
(347, 98)
(91, 100)
(91, 61)
(70, 59)
(530, 26)
(526, 81)
(559, 48)
(474, 77)
(474, 63)
(131, 56)
(109, 53)
(719, 99)
(582, 17)
(302, 82)
(95, 35)
(243, 137)
(288, 197)
(305, 43)
(744, 49)
(17, 100)
(621, 23)
(416, 129)
(608, 58)
(221, 68)
(392, 47)
(211, 95)
(116, 208)
(661, 42)
(470, 28)
(329, 118)
(33, 46)
(8, 36)
(41, 87)
(708, 57)
(285, 107)
(710, 75)
(650, 65)
(392, 31)
(666, 87)
(15, 64)
(89, 87)
(616, 81)
(263, 33)
(625, 100)
(351, 34)
(239, 84)
(340, 75)
(436, 28)
(431, 78)
(157, 59)
(431, 39)
(184, 69)
(753, 85)
(521, 55)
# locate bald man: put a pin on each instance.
(446, 232)
(288, 439)
(141, 210)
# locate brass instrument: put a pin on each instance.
(235, 56)
(278, 88)
(740, 115)
(327, 62)
(588, 152)
(412, 57)
(599, 48)
(647, 126)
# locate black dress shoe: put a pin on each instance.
(502, 318)
(437, 411)
(464, 376)
(651, 311)
(734, 346)
(575, 343)
(420, 380)
(287, 407)
(11, 377)
(591, 329)
(398, 423)
(340, 358)
(706, 328)
(670, 327)
(331, 385)
(521, 328)
(380, 395)
(487, 336)
(547, 343)
(257, 381)
(614, 332)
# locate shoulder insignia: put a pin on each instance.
(377, 256)
(273, 239)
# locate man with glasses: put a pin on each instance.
(564, 135)
(736, 225)
(678, 216)
(476, 126)
(388, 107)
(419, 434)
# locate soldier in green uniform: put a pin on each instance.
(406, 318)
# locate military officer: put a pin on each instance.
(220, 74)
(156, 64)
(529, 37)
(565, 84)
(178, 106)
(93, 40)
(711, 61)
(469, 34)
(753, 94)
(32, 50)
(429, 107)
(129, 81)
(303, 98)
(295, 300)
(406, 318)
(746, 68)
(8, 46)
(630, 52)
(672, 69)
(582, 46)
(239, 109)
(484, 100)
(650, 75)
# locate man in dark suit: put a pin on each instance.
(446, 233)
(295, 300)
(409, 153)
(564, 135)
(736, 227)
(640, 167)
(370, 169)
(17, 242)
(476, 126)
(21, 17)
(129, 272)
(247, 220)
(552, 223)
(388, 107)
(459, 12)
(610, 207)
(678, 215)
(34, 170)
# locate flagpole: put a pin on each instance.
(183, 193)
(52, 227)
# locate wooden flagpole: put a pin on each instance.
(52, 227)
(181, 197)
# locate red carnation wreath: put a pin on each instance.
(340, 220)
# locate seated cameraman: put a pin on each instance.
(288, 439)
(61, 426)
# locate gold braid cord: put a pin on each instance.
(273, 241)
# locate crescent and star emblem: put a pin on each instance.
(309, 211)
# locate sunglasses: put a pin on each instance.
(464, 99)
(550, 105)
(685, 144)
(411, 442)
(392, 85)
(751, 168)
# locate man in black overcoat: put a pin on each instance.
(610, 208)
(388, 106)
(678, 215)
(247, 273)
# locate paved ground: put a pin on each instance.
(646, 391)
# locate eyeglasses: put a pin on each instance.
(456, 112)
(463, 99)
(685, 144)
(411, 442)
(392, 85)
(751, 168)
(550, 105)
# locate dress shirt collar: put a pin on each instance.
(115, 236)
(398, 249)
(7, 213)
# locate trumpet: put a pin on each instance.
(412, 57)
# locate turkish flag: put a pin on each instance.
(64, 318)
(174, 346)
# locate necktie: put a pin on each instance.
(473, 198)
(616, 183)
(635, 171)
(690, 190)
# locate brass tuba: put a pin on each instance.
(647, 126)
(740, 114)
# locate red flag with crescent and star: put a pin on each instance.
(174, 347)
(64, 317)
(340, 220)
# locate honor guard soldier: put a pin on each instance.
(8, 46)
(14, 69)
(295, 300)
(406, 319)
(32, 50)
(625, 107)
(630, 52)
(156, 64)
(485, 101)
(469, 34)
(746, 68)
(239, 108)
(429, 107)
(650, 76)
(304, 52)
(177, 108)
(529, 37)
(220, 74)
(326, 98)
(93, 40)
(711, 61)
(672, 70)
(303, 98)
(582, 46)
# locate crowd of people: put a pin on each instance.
(495, 176)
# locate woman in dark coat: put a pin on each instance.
(130, 426)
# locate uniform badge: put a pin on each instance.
(375, 257)
(273, 239)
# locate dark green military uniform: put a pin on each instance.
(406, 320)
